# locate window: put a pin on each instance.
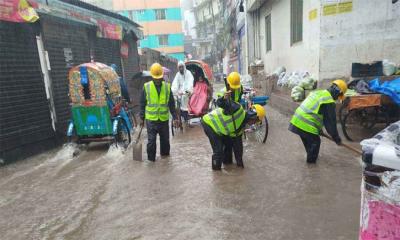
(268, 40)
(163, 40)
(296, 21)
(160, 14)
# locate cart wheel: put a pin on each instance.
(355, 123)
(123, 137)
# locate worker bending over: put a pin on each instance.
(227, 123)
(316, 111)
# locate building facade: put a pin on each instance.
(323, 37)
(35, 64)
(161, 21)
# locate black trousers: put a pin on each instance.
(162, 129)
(312, 144)
(217, 146)
(235, 144)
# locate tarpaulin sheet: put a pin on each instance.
(198, 102)
(389, 88)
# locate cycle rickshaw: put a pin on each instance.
(99, 113)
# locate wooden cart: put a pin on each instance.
(362, 116)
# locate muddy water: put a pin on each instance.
(103, 194)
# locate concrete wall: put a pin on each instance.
(300, 56)
(370, 32)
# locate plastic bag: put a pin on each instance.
(297, 94)
(246, 81)
(283, 79)
(389, 68)
(279, 71)
(307, 83)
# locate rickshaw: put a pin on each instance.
(197, 68)
(99, 113)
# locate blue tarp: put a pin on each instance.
(389, 88)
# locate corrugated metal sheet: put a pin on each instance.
(24, 110)
(60, 39)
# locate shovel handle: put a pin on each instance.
(140, 133)
(344, 145)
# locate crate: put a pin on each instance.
(366, 69)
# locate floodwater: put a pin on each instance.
(103, 194)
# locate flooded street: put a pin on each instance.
(103, 194)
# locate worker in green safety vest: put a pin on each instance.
(155, 105)
(228, 123)
(233, 88)
(316, 111)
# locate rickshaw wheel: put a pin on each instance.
(123, 137)
(258, 132)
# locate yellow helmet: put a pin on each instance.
(156, 71)
(260, 110)
(234, 80)
(342, 86)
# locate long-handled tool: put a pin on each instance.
(137, 147)
(343, 144)
(227, 88)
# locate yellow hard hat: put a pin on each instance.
(342, 86)
(234, 80)
(156, 71)
(260, 111)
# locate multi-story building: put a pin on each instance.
(322, 37)
(105, 4)
(208, 26)
(161, 21)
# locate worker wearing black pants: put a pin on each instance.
(156, 103)
(312, 144)
(235, 143)
(216, 142)
(154, 128)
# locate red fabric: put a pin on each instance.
(198, 101)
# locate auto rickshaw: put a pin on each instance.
(99, 113)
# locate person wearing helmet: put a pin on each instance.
(316, 111)
(233, 89)
(228, 123)
(155, 104)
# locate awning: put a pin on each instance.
(107, 27)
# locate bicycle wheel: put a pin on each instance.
(257, 132)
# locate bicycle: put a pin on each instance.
(259, 131)
(178, 126)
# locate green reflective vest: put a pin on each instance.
(157, 104)
(223, 124)
(307, 117)
(236, 93)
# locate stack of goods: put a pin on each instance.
(380, 205)
(298, 81)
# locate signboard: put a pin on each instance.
(69, 59)
(17, 11)
(124, 50)
(312, 15)
(337, 8)
(109, 30)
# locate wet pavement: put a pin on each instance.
(103, 194)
